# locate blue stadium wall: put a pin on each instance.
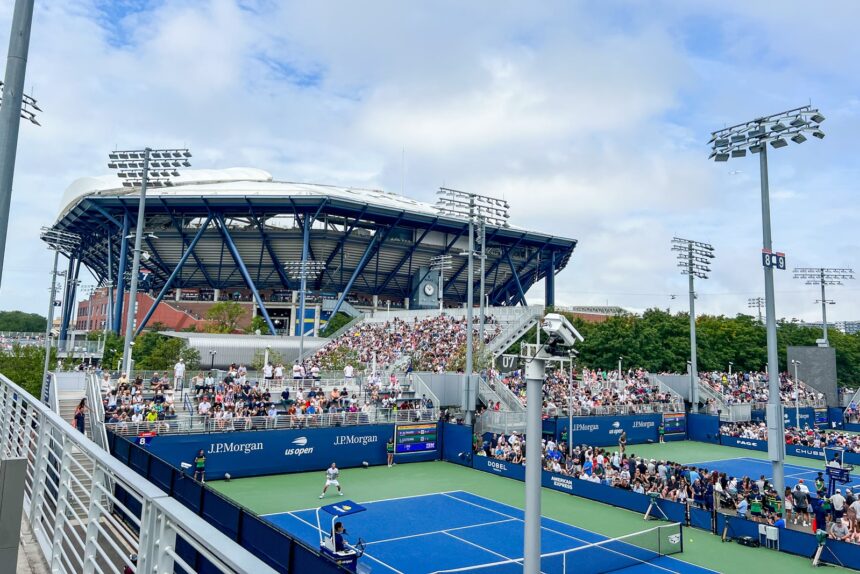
(256, 453)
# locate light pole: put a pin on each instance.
(473, 207)
(212, 353)
(441, 263)
(143, 168)
(694, 258)
(14, 106)
(796, 395)
(731, 364)
(735, 141)
(823, 276)
(57, 241)
(619, 367)
(756, 303)
(303, 270)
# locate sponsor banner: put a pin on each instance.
(499, 467)
(255, 453)
(557, 482)
(747, 443)
(605, 430)
(805, 451)
(790, 449)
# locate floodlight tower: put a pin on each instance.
(142, 168)
(57, 241)
(441, 263)
(694, 258)
(303, 270)
(14, 106)
(756, 303)
(734, 142)
(824, 276)
(481, 209)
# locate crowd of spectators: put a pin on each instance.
(149, 406)
(595, 392)
(806, 436)
(805, 506)
(431, 343)
(752, 387)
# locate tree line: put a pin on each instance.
(659, 341)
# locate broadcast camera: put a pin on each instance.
(560, 332)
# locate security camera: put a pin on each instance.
(560, 331)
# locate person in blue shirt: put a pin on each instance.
(780, 521)
(339, 531)
(743, 506)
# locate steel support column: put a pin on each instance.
(71, 292)
(306, 240)
(368, 253)
(228, 241)
(120, 275)
(173, 275)
(549, 283)
(517, 281)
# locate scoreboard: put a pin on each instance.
(414, 437)
(674, 423)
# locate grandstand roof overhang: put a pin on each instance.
(387, 237)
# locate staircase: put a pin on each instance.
(79, 498)
(515, 329)
(345, 307)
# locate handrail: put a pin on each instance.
(65, 497)
(97, 412)
(205, 424)
(424, 389)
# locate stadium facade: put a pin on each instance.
(219, 234)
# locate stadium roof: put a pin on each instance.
(244, 226)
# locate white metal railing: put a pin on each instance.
(193, 424)
(97, 412)
(82, 524)
(608, 410)
(421, 389)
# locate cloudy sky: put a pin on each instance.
(591, 118)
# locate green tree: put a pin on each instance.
(23, 365)
(260, 356)
(224, 317)
(156, 352)
(22, 322)
(335, 323)
(258, 323)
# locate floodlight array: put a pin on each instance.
(441, 263)
(776, 129)
(694, 257)
(134, 166)
(309, 269)
(58, 240)
(29, 107)
(823, 275)
(473, 206)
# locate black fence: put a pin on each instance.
(272, 545)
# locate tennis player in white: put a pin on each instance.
(331, 474)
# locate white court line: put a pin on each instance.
(360, 502)
(575, 538)
(365, 553)
(484, 549)
(445, 531)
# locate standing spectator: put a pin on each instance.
(837, 501)
(79, 418)
(622, 442)
(801, 504)
(179, 375)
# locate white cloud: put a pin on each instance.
(591, 119)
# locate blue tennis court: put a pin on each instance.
(755, 467)
(459, 530)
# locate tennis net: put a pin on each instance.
(611, 555)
